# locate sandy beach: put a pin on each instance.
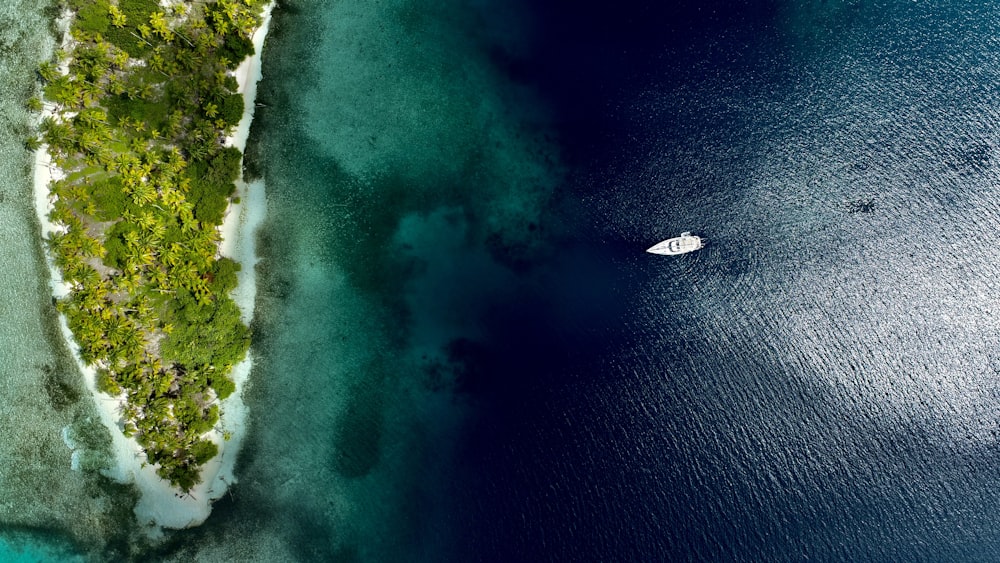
(161, 505)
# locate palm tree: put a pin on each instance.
(56, 134)
(115, 85)
(121, 58)
(118, 19)
(185, 214)
(48, 71)
(156, 61)
(158, 22)
(186, 274)
(90, 93)
(91, 247)
(176, 159)
(132, 239)
(61, 90)
(173, 254)
(143, 194)
(92, 118)
(158, 230)
(61, 213)
(146, 256)
(172, 198)
(130, 282)
(146, 91)
(160, 279)
(146, 220)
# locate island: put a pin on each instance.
(140, 107)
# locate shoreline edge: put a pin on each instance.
(160, 505)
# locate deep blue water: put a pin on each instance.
(819, 382)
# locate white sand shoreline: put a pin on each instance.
(160, 505)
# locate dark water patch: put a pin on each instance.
(457, 371)
(546, 334)
(588, 62)
(274, 285)
(860, 205)
(518, 256)
(466, 360)
(358, 431)
(313, 539)
(63, 391)
(970, 158)
(369, 211)
(671, 475)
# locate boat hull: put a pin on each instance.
(677, 245)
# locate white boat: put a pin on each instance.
(677, 245)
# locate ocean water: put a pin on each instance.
(462, 352)
(820, 382)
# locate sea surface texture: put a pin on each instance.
(462, 352)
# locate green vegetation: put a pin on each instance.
(140, 106)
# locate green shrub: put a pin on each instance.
(109, 198)
(236, 48)
(124, 39)
(211, 417)
(136, 12)
(232, 109)
(210, 209)
(224, 386)
(182, 476)
(93, 17)
(106, 383)
(224, 167)
(205, 335)
(203, 450)
(153, 113)
(212, 184)
(114, 243)
(224, 276)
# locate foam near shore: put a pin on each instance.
(160, 504)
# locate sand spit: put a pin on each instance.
(160, 505)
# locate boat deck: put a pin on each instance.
(677, 245)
